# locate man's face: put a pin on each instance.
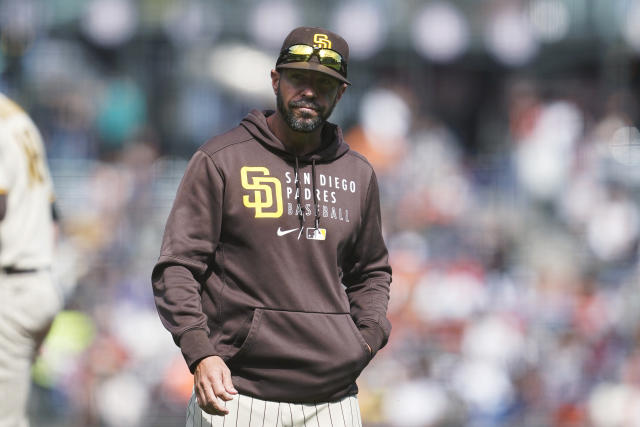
(305, 99)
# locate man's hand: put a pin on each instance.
(212, 380)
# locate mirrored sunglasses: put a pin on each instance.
(303, 53)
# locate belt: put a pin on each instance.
(15, 270)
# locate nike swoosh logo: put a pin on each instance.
(283, 232)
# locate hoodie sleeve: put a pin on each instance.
(368, 275)
(190, 240)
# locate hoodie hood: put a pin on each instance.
(333, 145)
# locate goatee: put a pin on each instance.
(305, 122)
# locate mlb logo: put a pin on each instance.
(316, 233)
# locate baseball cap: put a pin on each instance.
(323, 59)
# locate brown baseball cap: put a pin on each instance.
(320, 38)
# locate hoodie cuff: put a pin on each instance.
(373, 335)
(195, 346)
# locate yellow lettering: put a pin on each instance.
(35, 162)
(321, 41)
(266, 191)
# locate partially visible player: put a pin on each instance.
(28, 299)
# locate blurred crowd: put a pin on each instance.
(509, 178)
(515, 295)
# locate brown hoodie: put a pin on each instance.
(286, 280)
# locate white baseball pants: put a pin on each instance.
(28, 304)
(246, 411)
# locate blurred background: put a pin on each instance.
(505, 138)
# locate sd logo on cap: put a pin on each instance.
(315, 49)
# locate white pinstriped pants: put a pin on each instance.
(28, 304)
(246, 411)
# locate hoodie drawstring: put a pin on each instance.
(299, 195)
(315, 196)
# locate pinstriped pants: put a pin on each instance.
(28, 304)
(246, 411)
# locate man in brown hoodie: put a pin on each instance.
(273, 277)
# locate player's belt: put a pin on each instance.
(15, 270)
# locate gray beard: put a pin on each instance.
(297, 124)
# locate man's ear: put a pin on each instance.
(275, 80)
(341, 90)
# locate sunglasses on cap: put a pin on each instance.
(303, 53)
